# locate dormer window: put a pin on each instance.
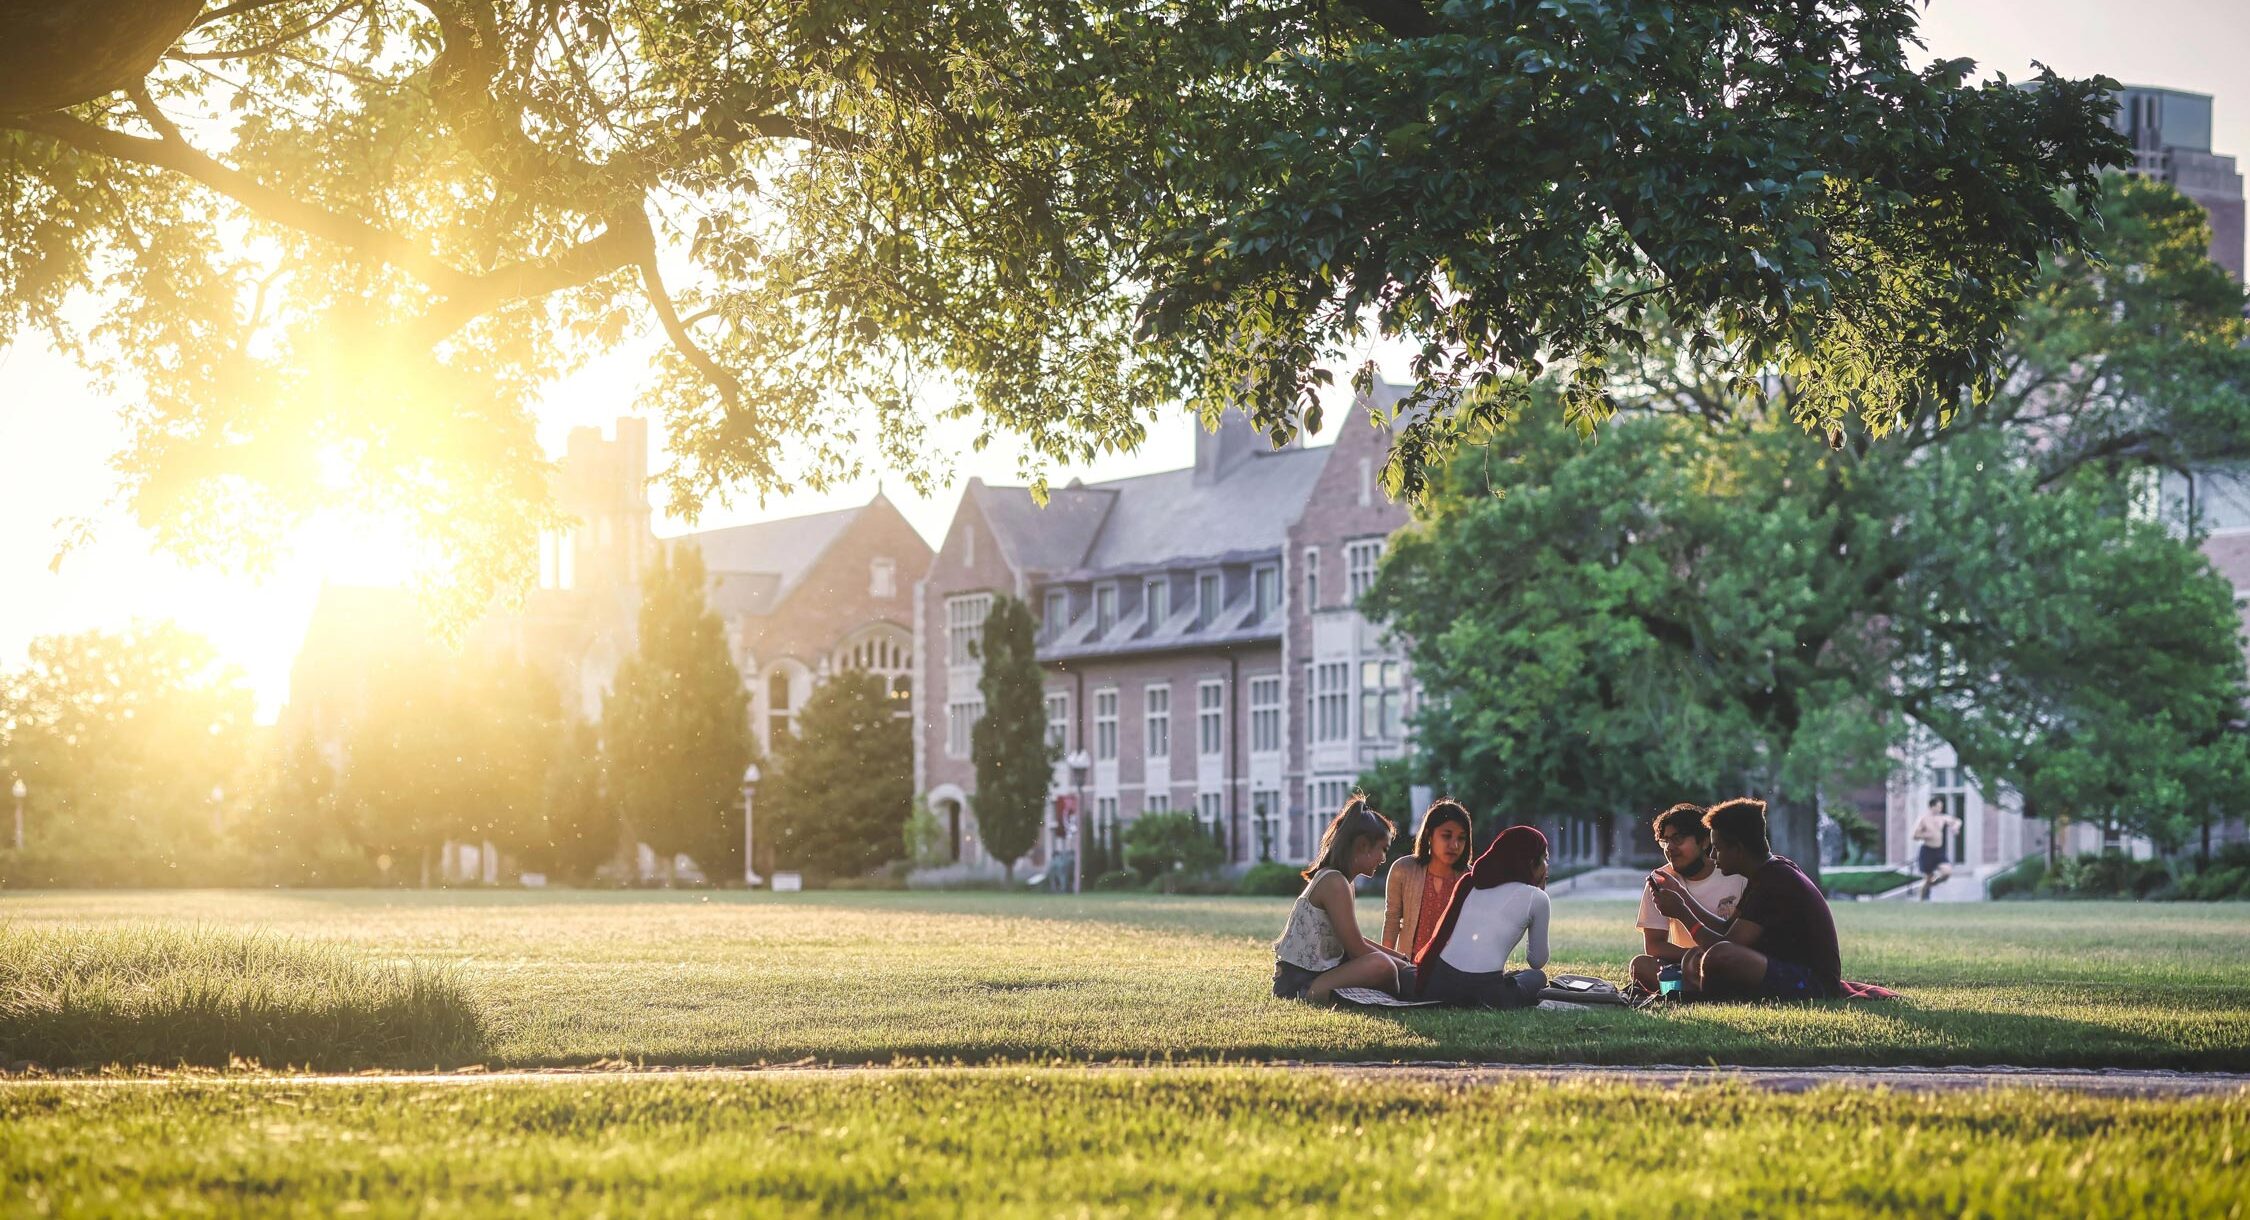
(1207, 603)
(1058, 611)
(1105, 610)
(1156, 600)
(1265, 591)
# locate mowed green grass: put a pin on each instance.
(1042, 1141)
(683, 978)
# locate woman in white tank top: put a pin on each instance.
(1320, 947)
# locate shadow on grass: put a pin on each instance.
(143, 996)
(1896, 1033)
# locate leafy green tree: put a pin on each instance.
(928, 843)
(1079, 211)
(122, 737)
(1015, 762)
(676, 725)
(449, 748)
(578, 828)
(1697, 601)
(842, 788)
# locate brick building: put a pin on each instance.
(1197, 633)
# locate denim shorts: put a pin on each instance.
(1290, 980)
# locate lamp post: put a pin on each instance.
(749, 793)
(1078, 763)
(20, 792)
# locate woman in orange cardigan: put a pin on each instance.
(1418, 887)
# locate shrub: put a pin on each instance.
(1270, 878)
(2022, 881)
(2150, 877)
(1117, 881)
(2216, 883)
(165, 997)
(1165, 848)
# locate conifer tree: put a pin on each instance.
(1013, 758)
(676, 726)
(842, 787)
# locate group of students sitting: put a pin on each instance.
(1723, 916)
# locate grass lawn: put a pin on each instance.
(575, 978)
(1031, 1141)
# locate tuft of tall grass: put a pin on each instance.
(147, 995)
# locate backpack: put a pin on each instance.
(1580, 989)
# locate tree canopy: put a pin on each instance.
(1697, 600)
(333, 247)
(125, 739)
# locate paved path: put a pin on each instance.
(2129, 1082)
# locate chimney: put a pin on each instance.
(1218, 452)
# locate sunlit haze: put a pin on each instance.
(57, 433)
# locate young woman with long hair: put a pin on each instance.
(1418, 887)
(1321, 947)
(1503, 903)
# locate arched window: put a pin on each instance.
(885, 651)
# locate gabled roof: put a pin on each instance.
(1050, 539)
(754, 568)
(1169, 519)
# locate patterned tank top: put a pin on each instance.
(1309, 938)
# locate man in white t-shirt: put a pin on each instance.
(1686, 843)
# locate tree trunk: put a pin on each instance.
(58, 53)
(1794, 827)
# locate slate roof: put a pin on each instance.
(1154, 521)
(754, 568)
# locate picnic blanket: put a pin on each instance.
(1368, 997)
(1581, 991)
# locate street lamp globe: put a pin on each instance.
(19, 791)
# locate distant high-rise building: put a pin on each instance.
(2171, 134)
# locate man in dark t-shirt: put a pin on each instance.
(1781, 942)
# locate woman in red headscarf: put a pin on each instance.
(1504, 903)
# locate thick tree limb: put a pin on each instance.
(58, 53)
(635, 226)
(264, 201)
(614, 248)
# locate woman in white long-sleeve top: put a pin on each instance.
(1502, 904)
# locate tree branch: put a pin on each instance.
(271, 45)
(614, 248)
(263, 201)
(634, 225)
(232, 10)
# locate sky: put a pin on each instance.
(57, 433)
